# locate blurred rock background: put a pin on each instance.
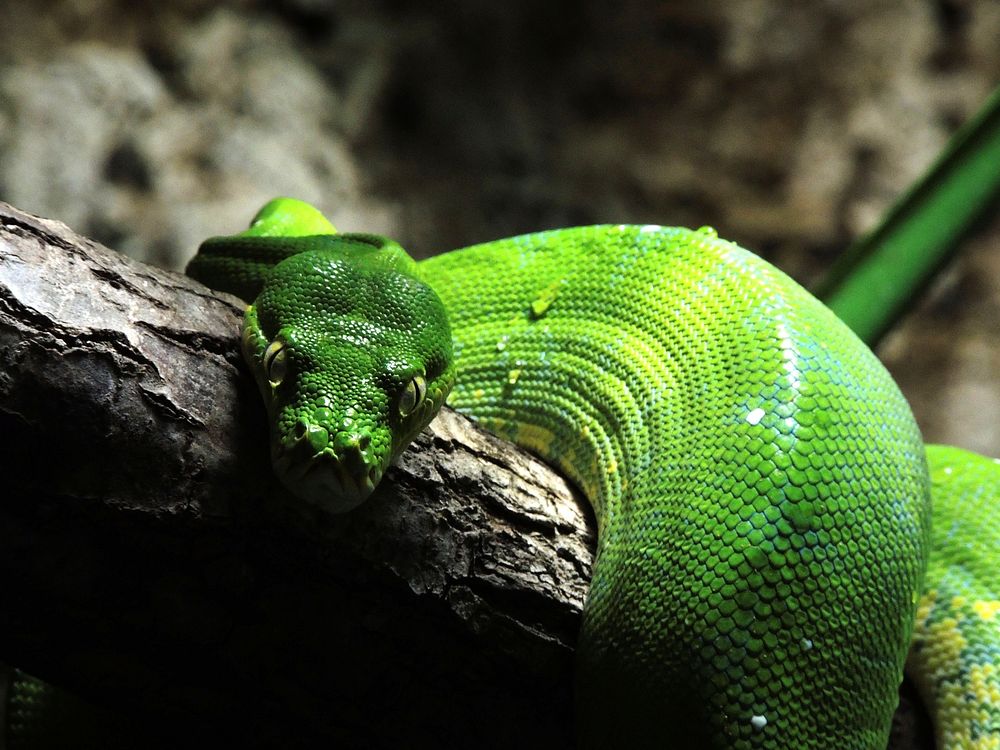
(789, 126)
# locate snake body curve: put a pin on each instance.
(761, 488)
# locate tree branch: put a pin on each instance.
(152, 560)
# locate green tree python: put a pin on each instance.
(767, 560)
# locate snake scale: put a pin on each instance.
(767, 559)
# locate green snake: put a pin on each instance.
(766, 560)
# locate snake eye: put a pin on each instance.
(412, 395)
(276, 362)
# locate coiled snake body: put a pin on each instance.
(761, 488)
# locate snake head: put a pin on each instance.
(353, 357)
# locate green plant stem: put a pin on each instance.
(874, 282)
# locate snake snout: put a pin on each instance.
(336, 470)
(309, 438)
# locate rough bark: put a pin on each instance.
(149, 561)
(147, 556)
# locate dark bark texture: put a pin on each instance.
(149, 561)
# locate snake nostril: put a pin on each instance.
(300, 429)
(364, 441)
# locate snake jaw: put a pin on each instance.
(336, 475)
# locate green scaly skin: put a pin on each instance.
(760, 485)
(955, 655)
